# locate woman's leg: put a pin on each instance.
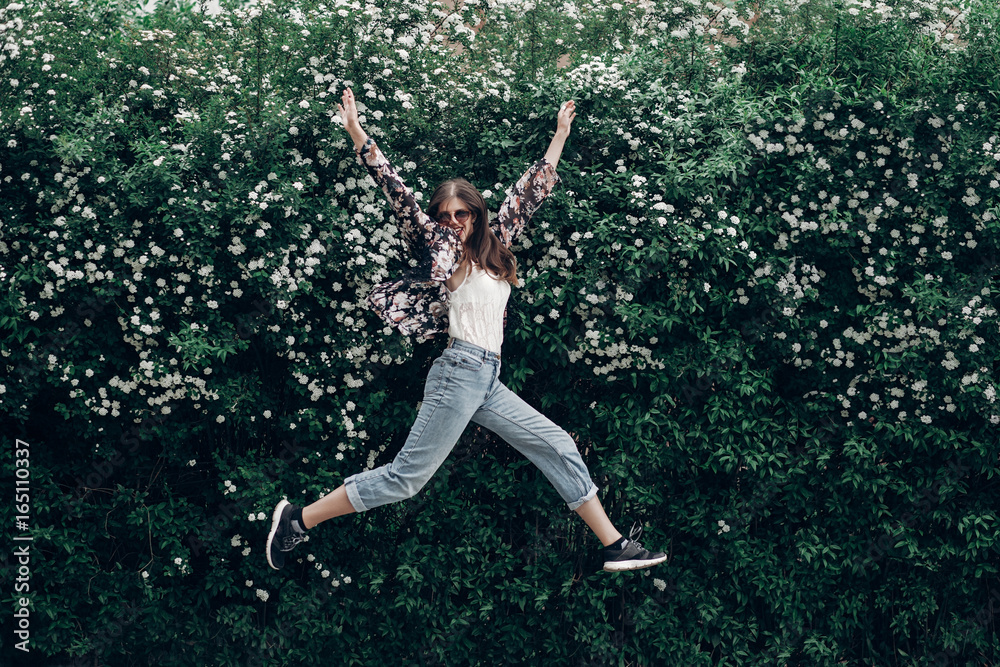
(327, 507)
(555, 453)
(593, 514)
(456, 386)
(552, 450)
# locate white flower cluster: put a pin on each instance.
(183, 567)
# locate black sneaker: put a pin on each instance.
(283, 536)
(628, 554)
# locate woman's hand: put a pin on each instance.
(567, 112)
(349, 114)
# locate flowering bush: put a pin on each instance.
(763, 299)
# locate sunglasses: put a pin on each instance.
(461, 217)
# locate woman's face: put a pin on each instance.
(456, 214)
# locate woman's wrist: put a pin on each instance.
(556, 147)
(359, 136)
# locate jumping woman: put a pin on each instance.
(460, 288)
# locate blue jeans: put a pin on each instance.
(462, 386)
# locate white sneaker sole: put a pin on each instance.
(275, 520)
(625, 565)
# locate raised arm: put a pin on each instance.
(535, 185)
(419, 232)
(437, 248)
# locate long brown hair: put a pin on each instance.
(483, 246)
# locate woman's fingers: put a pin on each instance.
(567, 112)
(348, 110)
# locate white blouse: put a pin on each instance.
(475, 309)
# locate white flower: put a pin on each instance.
(262, 594)
(304, 104)
(660, 584)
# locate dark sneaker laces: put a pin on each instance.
(634, 533)
(291, 540)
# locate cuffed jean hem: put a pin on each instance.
(353, 496)
(590, 495)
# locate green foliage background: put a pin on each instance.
(763, 299)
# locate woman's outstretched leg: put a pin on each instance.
(453, 391)
(555, 453)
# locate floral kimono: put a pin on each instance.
(417, 302)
